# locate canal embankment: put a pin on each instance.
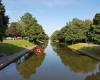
(90, 50)
(6, 60)
(10, 50)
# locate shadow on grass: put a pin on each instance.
(95, 50)
(8, 49)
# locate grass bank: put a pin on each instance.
(13, 46)
(87, 47)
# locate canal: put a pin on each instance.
(58, 63)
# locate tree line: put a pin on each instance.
(79, 30)
(27, 27)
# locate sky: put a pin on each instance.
(52, 14)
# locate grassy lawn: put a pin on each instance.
(13, 46)
(81, 45)
(89, 48)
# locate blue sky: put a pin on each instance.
(52, 14)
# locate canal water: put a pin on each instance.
(58, 63)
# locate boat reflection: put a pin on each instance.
(28, 65)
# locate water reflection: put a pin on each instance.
(28, 67)
(77, 63)
(94, 76)
(59, 63)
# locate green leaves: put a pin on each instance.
(95, 29)
(96, 20)
(14, 30)
(54, 36)
(32, 29)
(28, 20)
(3, 21)
(80, 31)
(27, 28)
(74, 31)
(95, 33)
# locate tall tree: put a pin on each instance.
(54, 36)
(14, 30)
(74, 31)
(95, 29)
(3, 21)
(33, 30)
(75, 23)
(96, 20)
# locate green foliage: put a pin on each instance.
(32, 30)
(13, 46)
(14, 30)
(75, 23)
(27, 21)
(27, 28)
(54, 36)
(3, 21)
(96, 20)
(94, 31)
(80, 31)
(95, 76)
(77, 63)
(74, 34)
(74, 31)
(29, 65)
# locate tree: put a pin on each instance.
(54, 36)
(95, 29)
(95, 76)
(14, 30)
(74, 31)
(29, 66)
(75, 23)
(95, 33)
(68, 58)
(96, 20)
(32, 30)
(3, 21)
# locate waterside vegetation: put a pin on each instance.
(87, 48)
(78, 30)
(15, 36)
(81, 35)
(13, 46)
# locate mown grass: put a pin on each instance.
(81, 45)
(13, 46)
(87, 47)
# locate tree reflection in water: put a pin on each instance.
(94, 77)
(77, 63)
(29, 66)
